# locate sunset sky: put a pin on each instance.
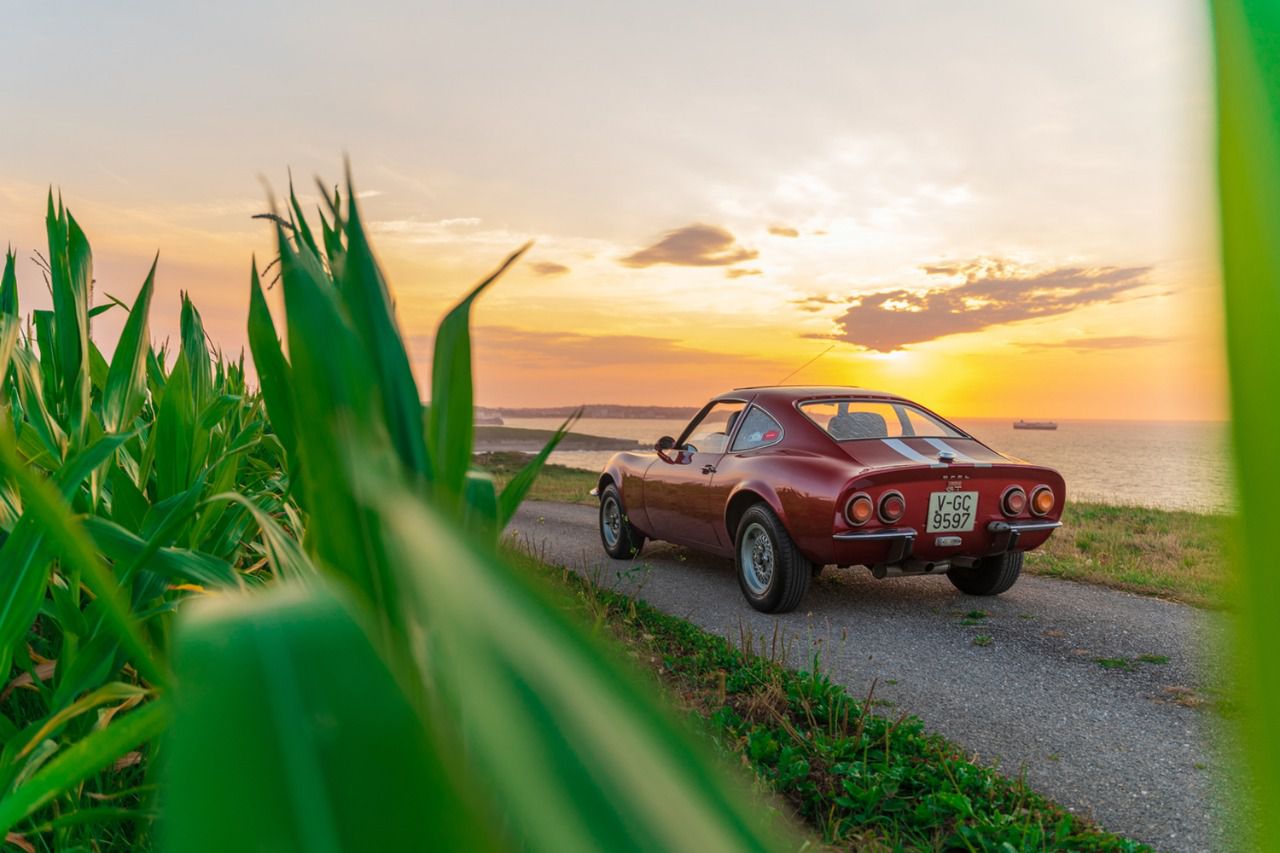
(997, 208)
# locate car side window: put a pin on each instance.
(710, 433)
(758, 430)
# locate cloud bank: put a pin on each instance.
(995, 292)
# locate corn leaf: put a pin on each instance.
(173, 564)
(83, 758)
(123, 395)
(451, 431)
(44, 505)
(9, 323)
(195, 348)
(1247, 36)
(614, 772)
(174, 432)
(291, 735)
(273, 370)
(368, 303)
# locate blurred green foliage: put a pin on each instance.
(1247, 41)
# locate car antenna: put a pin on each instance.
(806, 364)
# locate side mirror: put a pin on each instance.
(664, 444)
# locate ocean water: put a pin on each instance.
(1168, 464)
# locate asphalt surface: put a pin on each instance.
(1113, 744)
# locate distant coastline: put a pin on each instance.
(589, 410)
(505, 439)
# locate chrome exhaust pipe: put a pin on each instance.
(910, 567)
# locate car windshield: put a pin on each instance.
(854, 420)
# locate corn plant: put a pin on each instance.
(125, 486)
(417, 689)
(1247, 36)
(362, 670)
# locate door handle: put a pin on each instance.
(708, 469)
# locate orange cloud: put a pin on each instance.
(547, 268)
(694, 245)
(996, 292)
(817, 303)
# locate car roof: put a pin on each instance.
(791, 393)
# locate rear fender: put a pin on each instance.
(742, 498)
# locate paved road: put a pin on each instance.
(1112, 744)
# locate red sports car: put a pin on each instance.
(787, 480)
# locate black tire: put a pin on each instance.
(990, 576)
(785, 580)
(621, 541)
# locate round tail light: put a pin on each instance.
(1013, 501)
(892, 507)
(859, 509)
(1042, 500)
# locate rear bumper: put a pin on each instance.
(894, 543)
(1007, 534)
(897, 544)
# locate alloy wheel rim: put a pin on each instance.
(611, 521)
(756, 557)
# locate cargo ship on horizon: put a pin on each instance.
(1035, 424)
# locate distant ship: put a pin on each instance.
(1034, 425)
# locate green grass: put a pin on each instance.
(1130, 664)
(555, 482)
(1169, 553)
(854, 777)
(1114, 663)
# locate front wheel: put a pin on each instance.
(621, 541)
(772, 573)
(989, 576)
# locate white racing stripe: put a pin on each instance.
(901, 447)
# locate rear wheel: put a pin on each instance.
(772, 573)
(989, 576)
(621, 541)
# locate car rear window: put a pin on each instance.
(854, 420)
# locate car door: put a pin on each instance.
(755, 431)
(677, 489)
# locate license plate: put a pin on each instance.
(952, 511)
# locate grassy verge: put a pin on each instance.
(1172, 554)
(554, 483)
(850, 777)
